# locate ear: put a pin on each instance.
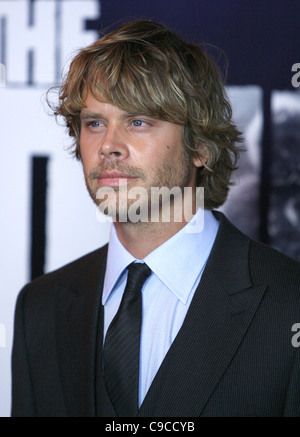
(197, 161)
(202, 156)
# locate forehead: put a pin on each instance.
(133, 93)
(97, 107)
(96, 96)
(93, 105)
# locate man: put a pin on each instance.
(210, 330)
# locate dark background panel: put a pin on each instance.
(259, 37)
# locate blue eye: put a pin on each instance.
(94, 123)
(138, 123)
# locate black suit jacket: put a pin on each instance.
(232, 357)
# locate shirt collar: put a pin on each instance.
(178, 262)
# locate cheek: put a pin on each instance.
(172, 153)
(88, 152)
(170, 157)
(88, 163)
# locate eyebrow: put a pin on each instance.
(96, 115)
(84, 115)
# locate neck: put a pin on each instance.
(142, 238)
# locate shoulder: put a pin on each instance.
(74, 269)
(70, 275)
(267, 262)
(263, 263)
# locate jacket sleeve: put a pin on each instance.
(23, 404)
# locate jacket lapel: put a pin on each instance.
(220, 313)
(78, 303)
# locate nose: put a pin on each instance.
(113, 145)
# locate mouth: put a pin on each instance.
(114, 179)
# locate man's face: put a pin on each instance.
(130, 150)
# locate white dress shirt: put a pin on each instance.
(177, 266)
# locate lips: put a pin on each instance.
(114, 178)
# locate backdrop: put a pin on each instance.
(47, 218)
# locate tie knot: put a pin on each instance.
(137, 275)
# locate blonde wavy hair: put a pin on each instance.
(145, 68)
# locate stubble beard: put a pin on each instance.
(166, 176)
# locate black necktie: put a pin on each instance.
(122, 345)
